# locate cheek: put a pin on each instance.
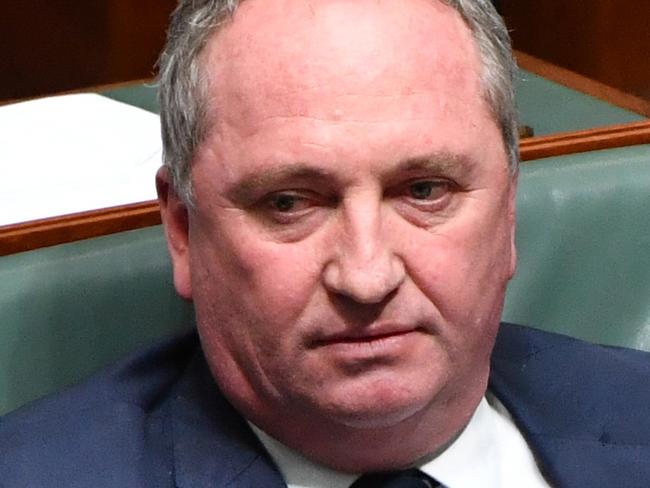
(280, 279)
(250, 298)
(240, 278)
(463, 269)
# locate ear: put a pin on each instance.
(176, 223)
(512, 222)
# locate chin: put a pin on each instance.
(377, 419)
(381, 408)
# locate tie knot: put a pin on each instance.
(410, 478)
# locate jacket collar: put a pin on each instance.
(582, 408)
(212, 444)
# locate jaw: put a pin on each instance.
(377, 421)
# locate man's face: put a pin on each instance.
(352, 236)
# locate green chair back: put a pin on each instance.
(584, 247)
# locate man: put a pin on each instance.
(338, 197)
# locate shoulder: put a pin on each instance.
(574, 385)
(97, 425)
(583, 408)
(526, 346)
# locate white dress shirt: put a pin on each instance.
(490, 452)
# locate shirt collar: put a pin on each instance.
(450, 467)
(297, 470)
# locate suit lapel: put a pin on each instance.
(572, 401)
(213, 445)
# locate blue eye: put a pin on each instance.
(427, 190)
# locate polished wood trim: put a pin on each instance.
(608, 137)
(58, 230)
(40, 233)
(583, 84)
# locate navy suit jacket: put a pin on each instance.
(158, 420)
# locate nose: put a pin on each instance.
(364, 266)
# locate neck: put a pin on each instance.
(353, 450)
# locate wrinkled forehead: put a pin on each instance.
(288, 54)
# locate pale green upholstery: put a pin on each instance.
(68, 310)
(584, 270)
(549, 107)
(584, 247)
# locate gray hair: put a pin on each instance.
(183, 87)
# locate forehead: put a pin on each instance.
(327, 58)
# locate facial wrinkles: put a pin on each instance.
(480, 228)
(356, 211)
(332, 145)
(360, 214)
(352, 109)
(488, 238)
(250, 351)
(254, 263)
(276, 109)
(438, 232)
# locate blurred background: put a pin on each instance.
(56, 46)
(51, 46)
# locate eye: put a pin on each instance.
(428, 190)
(284, 202)
(286, 207)
(424, 201)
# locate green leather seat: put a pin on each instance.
(584, 247)
(68, 310)
(584, 270)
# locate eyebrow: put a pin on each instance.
(443, 163)
(294, 172)
(438, 163)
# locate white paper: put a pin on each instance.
(73, 153)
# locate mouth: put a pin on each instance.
(368, 338)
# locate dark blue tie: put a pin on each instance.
(410, 478)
